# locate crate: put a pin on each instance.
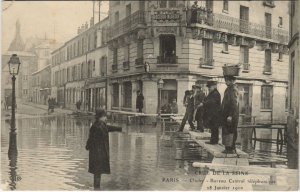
(231, 70)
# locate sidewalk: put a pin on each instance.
(45, 107)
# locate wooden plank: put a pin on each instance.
(255, 170)
(216, 150)
(231, 161)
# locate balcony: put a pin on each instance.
(126, 25)
(207, 63)
(267, 69)
(126, 65)
(114, 68)
(139, 61)
(172, 59)
(236, 25)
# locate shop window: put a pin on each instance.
(266, 97)
(115, 95)
(268, 61)
(127, 94)
(167, 49)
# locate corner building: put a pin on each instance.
(184, 46)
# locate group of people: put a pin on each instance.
(209, 112)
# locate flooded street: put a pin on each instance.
(52, 156)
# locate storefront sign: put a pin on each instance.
(167, 15)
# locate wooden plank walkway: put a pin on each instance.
(215, 150)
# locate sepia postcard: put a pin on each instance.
(170, 95)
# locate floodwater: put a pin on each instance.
(51, 155)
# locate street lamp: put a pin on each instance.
(160, 85)
(14, 66)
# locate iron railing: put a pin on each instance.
(126, 65)
(139, 61)
(126, 25)
(239, 25)
(167, 59)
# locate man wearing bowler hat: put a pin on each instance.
(230, 113)
(212, 109)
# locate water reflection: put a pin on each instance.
(12, 157)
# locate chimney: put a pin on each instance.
(92, 21)
(78, 30)
(82, 28)
(86, 25)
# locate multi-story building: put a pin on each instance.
(184, 45)
(79, 68)
(294, 91)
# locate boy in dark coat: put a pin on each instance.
(212, 108)
(98, 146)
(230, 112)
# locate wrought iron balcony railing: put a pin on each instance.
(239, 25)
(167, 59)
(207, 62)
(126, 65)
(139, 61)
(114, 68)
(126, 25)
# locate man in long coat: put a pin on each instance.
(98, 146)
(230, 112)
(198, 99)
(212, 109)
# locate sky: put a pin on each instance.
(56, 19)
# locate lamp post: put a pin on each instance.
(14, 66)
(160, 84)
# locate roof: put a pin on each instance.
(41, 69)
(20, 53)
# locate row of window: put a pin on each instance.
(80, 71)
(207, 53)
(80, 46)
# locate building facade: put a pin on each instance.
(41, 85)
(184, 45)
(294, 91)
(79, 68)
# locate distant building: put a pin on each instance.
(79, 68)
(294, 91)
(41, 85)
(28, 60)
(185, 45)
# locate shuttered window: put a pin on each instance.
(207, 50)
(266, 97)
(268, 60)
